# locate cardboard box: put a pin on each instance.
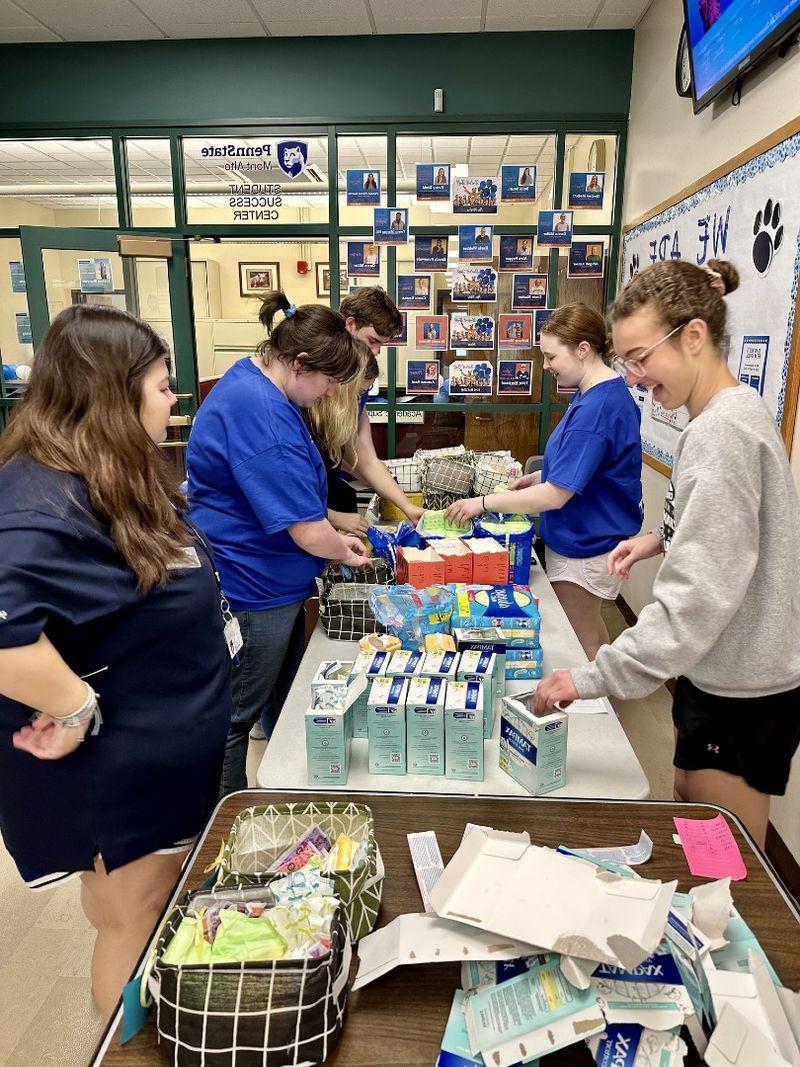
(327, 746)
(405, 663)
(440, 665)
(477, 666)
(519, 638)
(334, 686)
(491, 880)
(457, 558)
(486, 639)
(489, 560)
(463, 731)
(533, 749)
(425, 725)
(386, 725)
(372, 665)
(525, 669)
(420, 567)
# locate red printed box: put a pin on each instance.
(489, 561)
(420, 567)
(457, 560)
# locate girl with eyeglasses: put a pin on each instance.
(589, 492)
(726, 600)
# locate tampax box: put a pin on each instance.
(327, 746)
(486, 639)
(386, 725)
(371, 664)
(440, 665)
(463, 731)
(405, 663)
(420, 567)
(477, 666)
(489, 560)
(533, 749)
(425, 725)
(457, 558)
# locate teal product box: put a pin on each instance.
(463, 731)
(477, 666)
(533, 748)
(523, 655)
(486, 639)
(327, 746)
(386, 725)
(528, 667)
(405, 663)
(520, 638)
(425, 725)
(440, 665)
(509, 606)
(372, 664)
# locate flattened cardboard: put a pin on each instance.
(736, 1042)
(580, 910)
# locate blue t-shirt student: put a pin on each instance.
(254, 471)
(596, 451)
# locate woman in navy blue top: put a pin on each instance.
(259, 491)
(101, 579)
(589, 490)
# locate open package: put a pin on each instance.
(254, 976)
(411, 614)
(335, 840)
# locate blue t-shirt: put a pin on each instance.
(253, 471)
(596, 451)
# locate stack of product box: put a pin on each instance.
(473, 559)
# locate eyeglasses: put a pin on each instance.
(635, 367)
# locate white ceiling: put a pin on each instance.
(24, 21)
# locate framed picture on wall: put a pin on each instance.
(324, 280)
(257, 278)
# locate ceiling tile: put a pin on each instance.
(176, 11)
(539, 22)
(27, 36)
(187, 30)
(312, 28)
(531, 10)
(428, 25)
(427, 9)
(122, 32)
(611, 20)
(13, 17)
(83, 14)
(305, 11)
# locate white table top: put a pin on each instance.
(600, 760)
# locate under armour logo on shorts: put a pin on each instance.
(713, 748)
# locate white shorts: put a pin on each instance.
(591, 573)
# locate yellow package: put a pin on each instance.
(439, 643)
(341, 856)
(379, 643)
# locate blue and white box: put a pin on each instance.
(425, 725)
(405, 663)
(533, 748)
(386, 725)
(371, 664)
(524, 663)
(463, 731)
(478, 666)
(327, 746)
(441, 665)
(486, 639)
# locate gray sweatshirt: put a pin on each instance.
(726, 600)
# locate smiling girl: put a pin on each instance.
(726, 599)
(589, 490)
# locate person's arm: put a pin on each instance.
(320, 539)
(532, 500)
(349, 522)
(371, 470)
(699, 588)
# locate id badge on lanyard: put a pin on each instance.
(231, 629)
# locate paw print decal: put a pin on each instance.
(768, 235)
(633, 266)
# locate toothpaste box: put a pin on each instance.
(371, 664)
(477, 666)
(486, 639)
(405, 663)
(327, 746)
(463, 731)
(425, 725)
(386, 725)
(533, 749)
(440, 665)
(527, 667)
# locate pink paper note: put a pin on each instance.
(710, 848)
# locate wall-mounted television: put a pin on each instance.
(726, 37)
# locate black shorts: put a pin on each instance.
(751, 737)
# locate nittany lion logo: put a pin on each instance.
(292, 157)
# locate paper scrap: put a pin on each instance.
(711, 907)
(710, 848)
(587, 707)
(624, 855)
(737, 1041)
(428, 864)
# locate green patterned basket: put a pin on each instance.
(260, 834)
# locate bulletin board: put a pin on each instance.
(746, 211)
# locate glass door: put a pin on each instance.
(145, 274)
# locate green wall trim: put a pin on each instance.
(295, 80)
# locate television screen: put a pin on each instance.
(727, 36)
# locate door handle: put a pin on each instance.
(180, 420)
(482, 418)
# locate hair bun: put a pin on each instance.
(728, 273)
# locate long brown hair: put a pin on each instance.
(573, 323)
(80, 414)
(314, 335)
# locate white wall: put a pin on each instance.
(668, 149)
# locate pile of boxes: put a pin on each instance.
(430, 712)
(464, 560)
